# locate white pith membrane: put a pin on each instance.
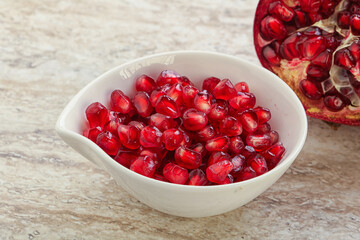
(293, 71)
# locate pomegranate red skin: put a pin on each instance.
(303, 18)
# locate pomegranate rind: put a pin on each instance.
(314, 108)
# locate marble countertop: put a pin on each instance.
(51, 49)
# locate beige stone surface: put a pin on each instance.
(50, 49)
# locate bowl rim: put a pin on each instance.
(60, 125)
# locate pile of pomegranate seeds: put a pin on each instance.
(314, 46)
(174, 132)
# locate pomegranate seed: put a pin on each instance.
(142, 104)
(218, 111)
(167, 106)
(175, 173)
(92, 133)
(187, 140)
(281, 11)
(355, 24)
(236, 145)
(229, 179)
(123, 118)
(156, 94)
(247, 174)
(354, 48)
(219, 171)
(161, 121)
(224, 90)
(210, 83)
(139, 125)
(197, 178)
(242, 87)
(206, 133)
(172, 138)
(156, 154)
(272, 28)
(112, 126)
(189, 93)
(97, 115)
(249, 120)
(310, 5)
(243, 101)
(218, 144)
(187, 158)
(150, 136)
(310, 90)
(168, 77)
(126, 157)
(230, 126)
(144, 165)
(239, 162)
(274, 154)
(334, 103)
(271, 56)
(120, 102)
(263, 114)
(194, 120)
(145, 83)
(185, 81)
(344, 58)
(317, 73)
(274, 135)
(343, 19)
(248, 152)
(199, 147)
(323, 59)
(176, 93)
(311, 46)
(202, 102)
(218, 157)
(258, 163)
(129, 136)
(160, 177)
(301, 19)
(263, 128)
(259, 142)
(289, 47)
(108, 142)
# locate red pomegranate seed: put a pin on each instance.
(316, 73)
(219, 171)
(210, 83)
(206, 133)
(167, 106)
(229, 179)
(249, 120)
(176, 93)
(242, 87)
(218, 144)
(323, 59)
(161, 121)
(311, 46)
(175, 173)
(150, 136)
(343, 19)
(243, 101)
(108, 142)
(246, 174)
(258, 163)
(142, 104)
(334, 103)
(145, 83)
(187, 158)
(202, 102)
(310, 90)
(156, 94)
(129, 136)
(281, 11)
(199, 147)
(272, 28)
(97, 115)
(144, 165)
(172, 138)
(120, 102)
(239, 162)
(354, 48)
(224, 90)
(310, 5)
(218, 111)
(185, 81)
(344, 58)
(139, 125)
(189, 93)
(274, 135)
(289, 47)
(218, 157)
(271, 56)
(197, 178)
(259, 142)
(123, 118)
(160, 177)
(263, 128)
(112, 126)
(126, 157)
(236, 145)
(274, 154)
(355, 24)
(263, 114)
(230, 126)
(168, 77)
(248, 152)
(194, 120)
(92, 133)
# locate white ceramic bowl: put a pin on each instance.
(288, 118)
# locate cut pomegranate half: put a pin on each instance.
(314, 46)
